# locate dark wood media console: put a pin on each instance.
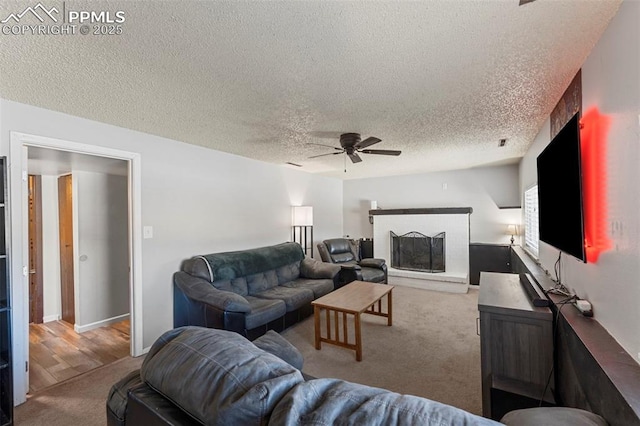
(592, 371)
(516, 346)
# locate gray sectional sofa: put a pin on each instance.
(250, 291)
(196, 376)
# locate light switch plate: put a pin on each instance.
(147, 232)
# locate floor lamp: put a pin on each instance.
(302, 227)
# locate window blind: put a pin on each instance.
(531, 234)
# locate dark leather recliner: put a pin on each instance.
(345, 252)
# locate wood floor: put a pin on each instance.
(57, 352)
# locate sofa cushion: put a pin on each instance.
(237, 285)
(217, 376)
(318, 287)
(257, 283)
(288, 272)
(343, 257)
(263, 311)
(294, 298)
(333, 401)
(242, 263)
(552, 416)
(338, 245)
(277, 345)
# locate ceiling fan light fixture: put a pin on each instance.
(351, 144)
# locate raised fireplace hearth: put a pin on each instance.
(415, 251)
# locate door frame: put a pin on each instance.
(35, 236)
(20, 244)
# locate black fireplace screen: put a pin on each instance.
(417, 252)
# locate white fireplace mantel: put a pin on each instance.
(454, 221)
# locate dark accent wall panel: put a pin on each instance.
(488, 258)
(592, 371)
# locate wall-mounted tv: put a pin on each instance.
(560, 209)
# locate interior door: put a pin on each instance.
(35, 250)
(65, 216)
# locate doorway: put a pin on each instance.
(20, 146)
(86, 321)
(65, 220)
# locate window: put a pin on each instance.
(531, 235)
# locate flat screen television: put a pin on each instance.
(560, 206)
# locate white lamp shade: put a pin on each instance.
(302, 216)
(513, 230)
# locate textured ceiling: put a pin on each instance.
(441, 80)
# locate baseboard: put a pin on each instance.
(98, 324)
(50, 318)
(450, 282)
(449, 287)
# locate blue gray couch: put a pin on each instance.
(250, 291)
(196, 376)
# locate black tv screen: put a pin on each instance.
(560, 209)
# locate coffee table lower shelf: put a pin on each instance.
(354, 299)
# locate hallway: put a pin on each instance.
(58, 353)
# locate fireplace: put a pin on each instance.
(415, 251)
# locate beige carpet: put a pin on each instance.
(432, 350)
(77, 401)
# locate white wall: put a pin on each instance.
(197, 200)
(484, 189)
(51, 302)
(610, 82)
(101, 256)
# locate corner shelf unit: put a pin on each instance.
(6, 377)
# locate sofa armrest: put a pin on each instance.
(117, 398)
(350, 267)
(349, 272)
(202, 291)
(277, 345)
(372, 263)
(311, 268)
(148, 407)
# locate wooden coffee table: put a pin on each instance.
(354, 299)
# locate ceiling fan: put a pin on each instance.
(352, 145)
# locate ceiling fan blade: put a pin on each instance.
(355, 158)
(367, 142)
(380, 151)
(324, 155)
(321, 144)
(525, 2)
